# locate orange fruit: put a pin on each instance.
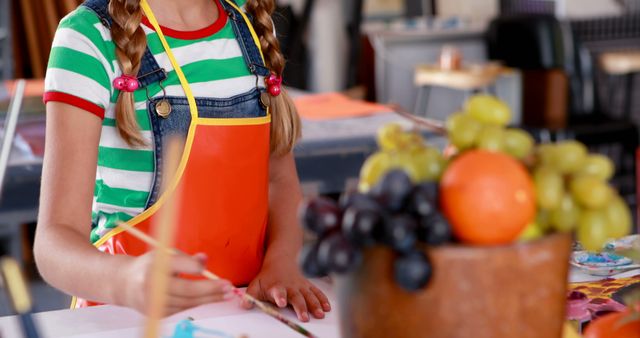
(609, 326)
(489, 198)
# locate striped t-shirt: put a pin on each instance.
(82, 67)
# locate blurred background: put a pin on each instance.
(567, 68)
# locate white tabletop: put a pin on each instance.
(118, 322)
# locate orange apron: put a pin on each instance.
(223, 176)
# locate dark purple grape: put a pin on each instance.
(309, 263)
(320, 216)
(394, 190)
(360, 225)
(412, 271)
(400, 233)
(358, 200)
(434, 230)
(423, 200)
(337, 254)
(349, 199)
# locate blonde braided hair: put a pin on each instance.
(131, 43)
(285, 122)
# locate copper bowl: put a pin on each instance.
(515, 291)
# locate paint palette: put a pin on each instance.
(602, 264)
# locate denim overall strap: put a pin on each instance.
(247, 44)
(150, 72)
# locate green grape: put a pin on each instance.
(592, 230)
(491, 138)
(619, 217)
(532, 232)
(591, 191)
(489, 110)
(569, 156)
(453, 119)
(389, 136)
(546, 154)
(405, 161)
(549, 187)
(412, 141)
(565, 217)
(599, 166)
(464, 132)
(543, 219)
(431, 164)
(518, 143)
(374, 168)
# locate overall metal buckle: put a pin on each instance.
(163, 107)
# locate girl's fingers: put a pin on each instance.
(299, 305)
(278, 296)
(170, 311)
(326, 306)
(188, 264)
(254, 290)
(180, 287)
(313, 304)
(246, 304)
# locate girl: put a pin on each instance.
(119, 82)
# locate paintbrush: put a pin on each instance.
(19, 295)
(435, 126)
(262, 306)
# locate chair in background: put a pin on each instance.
(560, 100)
(469, 79)
(625, 64)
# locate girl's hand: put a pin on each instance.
(282, 283)
(182, 293)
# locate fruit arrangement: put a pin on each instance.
(573, 194)
(493, 186)
(395, 213)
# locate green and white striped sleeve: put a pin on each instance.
(81, 64)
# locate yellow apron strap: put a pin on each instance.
(256, 39)
(176, 67)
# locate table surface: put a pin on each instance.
(340, 145)
(118, 322)
(315, 134)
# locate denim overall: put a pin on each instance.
(223, 174)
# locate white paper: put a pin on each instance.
(255, 325)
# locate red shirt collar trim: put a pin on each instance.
(196, 34)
